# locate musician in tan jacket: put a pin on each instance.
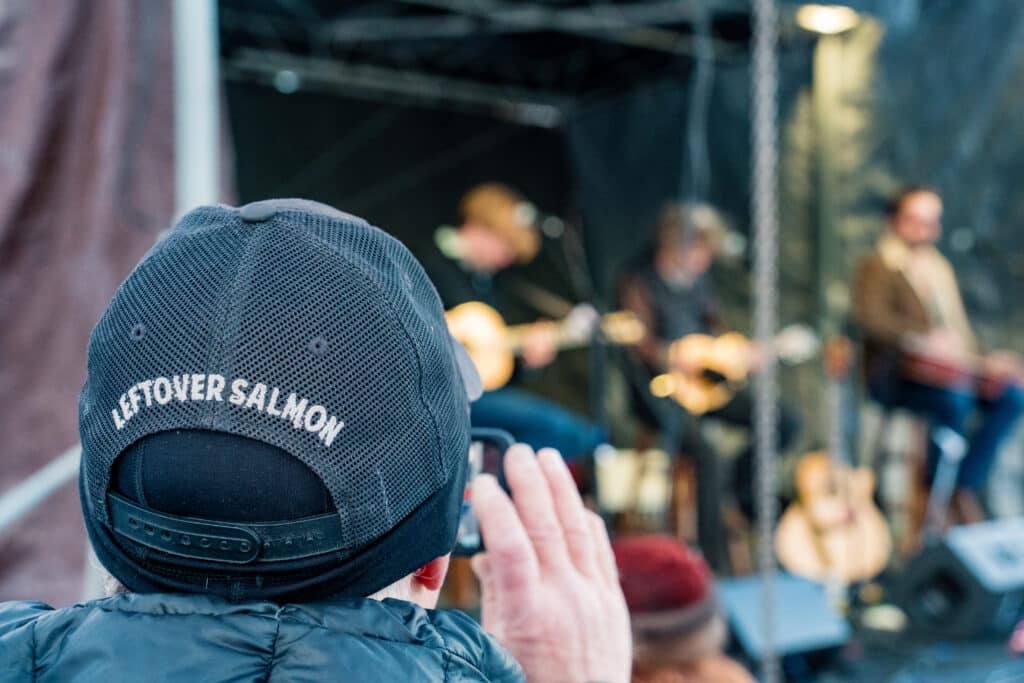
(919, 349)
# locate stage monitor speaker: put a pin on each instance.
(803, 620)
(969, 582)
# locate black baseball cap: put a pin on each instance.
(274, 409)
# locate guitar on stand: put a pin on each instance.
(833, 532)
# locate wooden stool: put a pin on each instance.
(682, 517)
(694, 511)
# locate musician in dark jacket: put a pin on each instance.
(907, 302)
(670, 290)
(477, 261)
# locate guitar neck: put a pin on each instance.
(834, 428)
(617, 327)
(515, 334)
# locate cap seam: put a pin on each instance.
(305, 213)
(384, 495)
(229, 305)
(387, 304)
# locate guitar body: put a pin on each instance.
(856, 550)
(726, 356)
(722, 365)
(482, 330)
(834, 530)
(493, 345)
(695, 393)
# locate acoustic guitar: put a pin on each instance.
(833, 531)
(493, 345)
(722, 366)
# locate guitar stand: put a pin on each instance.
(952, 449)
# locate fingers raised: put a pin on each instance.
(532, 499)
(571, 514)
(603, 550)
(512, 563)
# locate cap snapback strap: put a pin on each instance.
(204, 539)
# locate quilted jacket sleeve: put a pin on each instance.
(17, 637)
(466, 642)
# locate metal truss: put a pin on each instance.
(526, 107)
(627, 24)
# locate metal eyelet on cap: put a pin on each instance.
(138, 332)
(317, 345)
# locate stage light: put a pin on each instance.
(827, 19)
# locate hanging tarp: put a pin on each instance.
(86, 183)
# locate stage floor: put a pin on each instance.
(882, 657)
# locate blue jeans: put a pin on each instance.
(538, 422)
(954, 409)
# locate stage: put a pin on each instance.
(881, 657)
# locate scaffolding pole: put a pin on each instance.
(196, 105)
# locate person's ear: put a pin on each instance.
(431, 575)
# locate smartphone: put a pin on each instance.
(486, 456)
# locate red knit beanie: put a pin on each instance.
(658, 573)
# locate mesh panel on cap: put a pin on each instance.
(176, 293)
(329, 308)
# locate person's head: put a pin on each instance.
(915, 215)
(670, 594)
(498, 228)
(690, 236)
(274, 410)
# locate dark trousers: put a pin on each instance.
(740, 412)
(538, 422)
(955, 410)
(681, 433)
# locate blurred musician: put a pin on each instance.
(920, 351)
(670, 291)
(476, 262)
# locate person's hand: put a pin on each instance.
(539, 345)
(757, 357)
(1016, 643)
(1006, 364)
(679, 358)
(550, 589)
(941, 343)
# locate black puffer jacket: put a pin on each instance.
(198, 639)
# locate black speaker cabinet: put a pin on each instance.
(969, 582)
